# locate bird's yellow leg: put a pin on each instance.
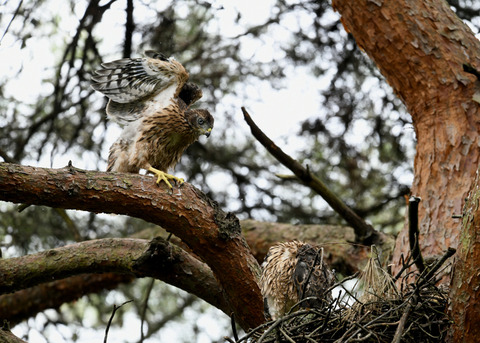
(162, 176)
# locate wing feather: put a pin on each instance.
(138, 87)
(131, 79)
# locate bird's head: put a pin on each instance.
(201, 121)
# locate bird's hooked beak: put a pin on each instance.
(208, 131)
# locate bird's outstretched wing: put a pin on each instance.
(131, 79)
(131, 83)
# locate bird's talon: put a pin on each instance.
(162, 176)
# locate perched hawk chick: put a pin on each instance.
(293, 271)
(150, 98)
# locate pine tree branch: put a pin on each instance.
(364, 232)
(185, 211)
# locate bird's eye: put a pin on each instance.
(200, 121)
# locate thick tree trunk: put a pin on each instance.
(420, 47)
(465, 310)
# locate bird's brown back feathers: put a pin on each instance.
(293, 271)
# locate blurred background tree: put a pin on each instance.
(289, 62)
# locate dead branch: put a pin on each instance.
(413, 232)
(364, 232)
(433, 269)
(115, 308)
(212, 234)
(397, 338)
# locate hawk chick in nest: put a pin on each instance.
(151, 99)
(293, 271)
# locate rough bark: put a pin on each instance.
(7, 337)
(465, 287)
(186, 212)
(420, 47)
(96, 256)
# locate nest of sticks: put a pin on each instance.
(376, 312)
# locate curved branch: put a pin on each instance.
(212, 234)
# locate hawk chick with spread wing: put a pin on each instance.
(151, 99)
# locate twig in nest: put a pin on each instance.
(304, 288)
(364, 232)
(286, 336)
(399, 332)
(115, 308)
(413, 232)
(342, 339)
(270, 329)
(405, 265)
(431, 272)
(234, 327)
(294, 307)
